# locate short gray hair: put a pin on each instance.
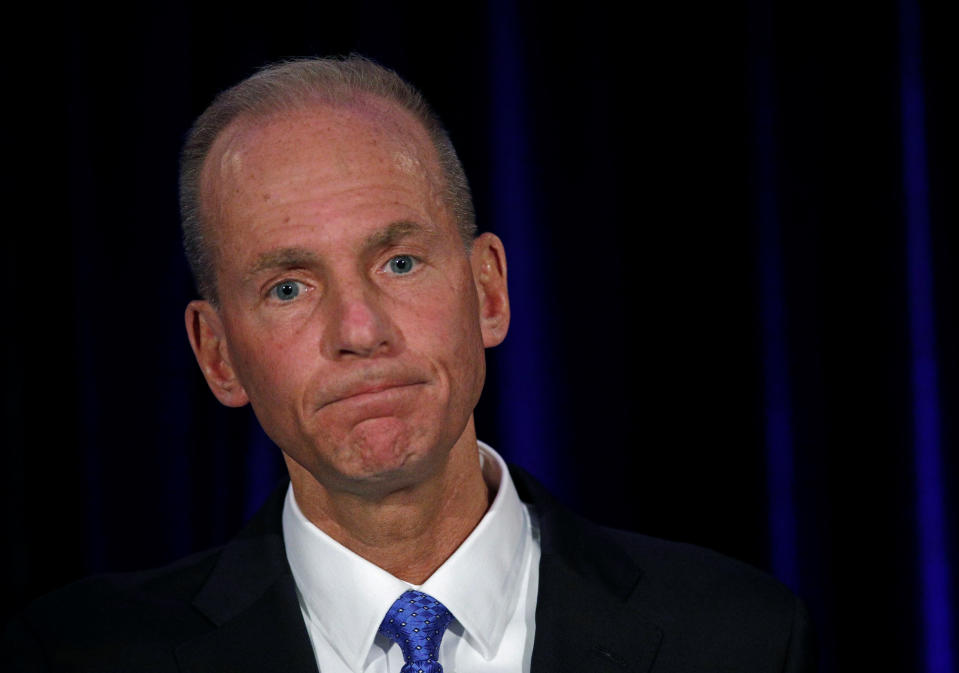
(293, 85)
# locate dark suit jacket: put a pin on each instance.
(608, 601)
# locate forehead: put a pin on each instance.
(299, 150)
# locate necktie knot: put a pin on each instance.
(416, 622)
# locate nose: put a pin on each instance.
(359, 323)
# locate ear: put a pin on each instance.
(488, 259)
(205, 330)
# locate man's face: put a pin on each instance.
(350, 315)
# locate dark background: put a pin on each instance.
(707, 213)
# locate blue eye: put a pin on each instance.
(286, 291)
(402, 264)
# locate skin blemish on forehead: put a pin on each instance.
(407, 163)
(222, 174)
(231, 162)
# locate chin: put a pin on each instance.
(383, 448)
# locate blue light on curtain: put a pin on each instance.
(934, 567)
(778, 431)
(524, 402)
(263, 468)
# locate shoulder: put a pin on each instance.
(712, 607)
(672, 576)
(696, 573)
(171, 584)
(120, 621)
(693, 579)
(692, 608)
(141, 621)
(712, 612)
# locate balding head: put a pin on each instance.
(292, 87)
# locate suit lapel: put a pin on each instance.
(251, 599)
(579, 629)
(584, 617)
(269, 635)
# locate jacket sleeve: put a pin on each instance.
(801, 652)
(20, 650)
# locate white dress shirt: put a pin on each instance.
(489, 584)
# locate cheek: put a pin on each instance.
(447, 326)
(455, 334)
(268, 365)
(274, 377)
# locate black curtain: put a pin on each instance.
(730, 229)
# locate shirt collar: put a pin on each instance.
(345, 596)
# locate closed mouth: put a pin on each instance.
(369, 390)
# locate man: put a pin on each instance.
(348, 299)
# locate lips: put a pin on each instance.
(366, 391)
(366, 387)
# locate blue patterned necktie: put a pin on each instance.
(416, 622)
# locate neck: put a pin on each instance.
(409, 530)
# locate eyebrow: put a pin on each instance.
(296, 257)
(392, 234)
(283, 258)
